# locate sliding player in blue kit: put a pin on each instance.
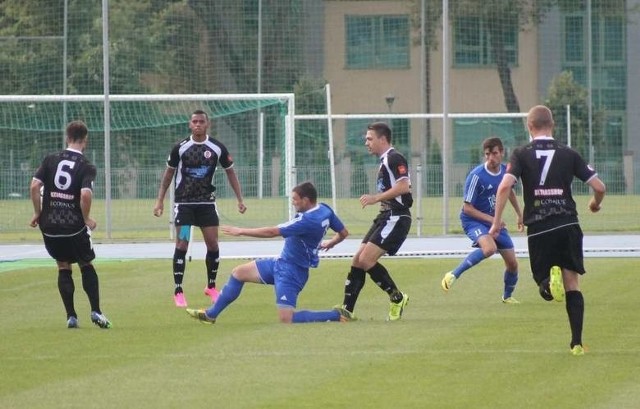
(289, 272)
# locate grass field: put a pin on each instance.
(464, 349)
(132, 220)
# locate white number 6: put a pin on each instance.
(62, 179)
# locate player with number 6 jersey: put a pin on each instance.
(62, 211)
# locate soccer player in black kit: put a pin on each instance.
(192, 162)
(61, 193)
(547, 169)
(389, 229)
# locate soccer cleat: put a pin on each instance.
(100, 320)
(448, 281)
(510, 300)
(72, 322)
(200, 315)
(180, 300)
(555, 284)
(545, 292)
(211, 292)
(577, 350)
(396, 309)
(345, 314)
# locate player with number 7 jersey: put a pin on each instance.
(547, 188)
(554, 237)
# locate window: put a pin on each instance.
(377, 42)
(609, 72)
(608, 57)
(472, 42)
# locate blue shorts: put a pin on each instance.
(287, 278)
(475, 230)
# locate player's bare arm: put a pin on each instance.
(34, 192)
(235, 185)
(85, 206)
(337, 238)
(400, 188)
(471, 211)
(162, 191)
(599, 190)
(259, 232)
(513, 199)
(502, 195)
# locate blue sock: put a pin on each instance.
(471, 260)
(510, 281)
(315, 316)
(229, 293)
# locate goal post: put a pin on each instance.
(142, 130)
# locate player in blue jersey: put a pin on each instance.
(477, 214)
(289, 272)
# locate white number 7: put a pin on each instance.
(548, 155)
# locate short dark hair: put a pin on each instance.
(200, 112)
(381, 129)
(491, 143)
(306, 189)
(77, 131)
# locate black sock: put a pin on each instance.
(178, 268)
(575, 310)
(212, 261)
(381, 277)
(91, 286)
(67, 288)
(352, 287)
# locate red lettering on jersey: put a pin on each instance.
(402, 170)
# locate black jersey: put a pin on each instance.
(547, 169)
(393, 167)
(195, 164)
(64, 175)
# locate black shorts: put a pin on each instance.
(559, 247)
(201, 215)
(389, 230)
(71, 249)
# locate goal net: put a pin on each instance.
(131, 149)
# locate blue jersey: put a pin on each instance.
(304, 233)
(480, 191)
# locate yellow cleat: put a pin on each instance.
(396, 309)
(577, 350)
(555, 284)
(200, 315)
(510, 300)
(448, 281)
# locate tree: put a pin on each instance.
(563, 91)
(499, 18)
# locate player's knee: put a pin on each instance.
(489, 251)
(285, 315)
